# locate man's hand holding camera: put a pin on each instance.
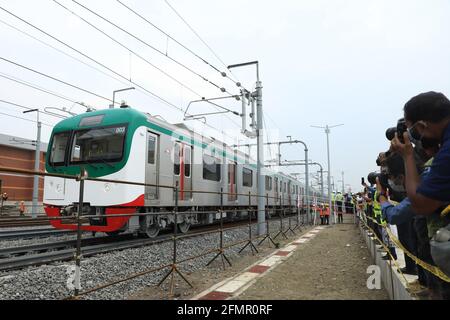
(405, 149)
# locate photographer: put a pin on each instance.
(402, 216)
(427, 117)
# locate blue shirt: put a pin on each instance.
(398, 214)
(436, 185)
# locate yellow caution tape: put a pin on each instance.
(430, 268)
(445, 211)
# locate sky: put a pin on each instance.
(321, 62)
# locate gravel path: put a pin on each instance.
(49, 281)
(330, 266)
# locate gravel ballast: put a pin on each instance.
(50, 281)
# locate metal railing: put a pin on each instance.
(279, 208)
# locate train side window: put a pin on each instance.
(275, 183)
(268, 183)
(211, 168)
(247, 177)
(176, 159)
(151, 149)
(187, 161)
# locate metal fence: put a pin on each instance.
(287, 225)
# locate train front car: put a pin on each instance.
(108, 144)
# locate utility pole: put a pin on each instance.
(257, 95)
(327, 132)
(343, 189)
(37, 162)
(306, 164)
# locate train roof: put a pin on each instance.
(106, 117)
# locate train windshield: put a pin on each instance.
(98, 145)
(59, 146)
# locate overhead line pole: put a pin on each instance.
(37, 162)
(260, 143)
(327, 132)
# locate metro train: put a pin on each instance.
(124, 144)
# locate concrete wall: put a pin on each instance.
(394, 283)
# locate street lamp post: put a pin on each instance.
(37, 161)
(111, 106)
(327, 132)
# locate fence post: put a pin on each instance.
(77, 282)
(267, 236)
(174, 258)
(249, 242)
(281, 221)
(220, 250)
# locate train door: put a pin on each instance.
(289, 193)
(182, 169)
(232, 174)
(152, 166)
(276, 189)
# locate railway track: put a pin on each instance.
(32, 233)
(33, 255)
(8, 222)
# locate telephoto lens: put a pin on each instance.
(401, 128)
(390, 133)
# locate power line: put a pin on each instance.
(136, 54)
(96, 62)
(198, 36)
(223, 74)
(29, 108)
(88, 57)
(67, 54)
(222, 89)
(54, 78)
(21, 118)
(128, 49)
(28, 84)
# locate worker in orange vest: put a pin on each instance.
(22, 208)
(326, 213)
(321, 213)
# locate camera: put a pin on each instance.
(399, 129)
(382, 177)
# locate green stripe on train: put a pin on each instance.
(134, 119)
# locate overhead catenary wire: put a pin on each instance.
(135, 53)
(53, 78)
(21, 118)
(69, 55)
(101, 64)
(222, 89)
(198, 36)
(29, 108)
(30, 85)
(222, 73)
(88, 57)
(129, 50)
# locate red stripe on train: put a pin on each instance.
(112, 224)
